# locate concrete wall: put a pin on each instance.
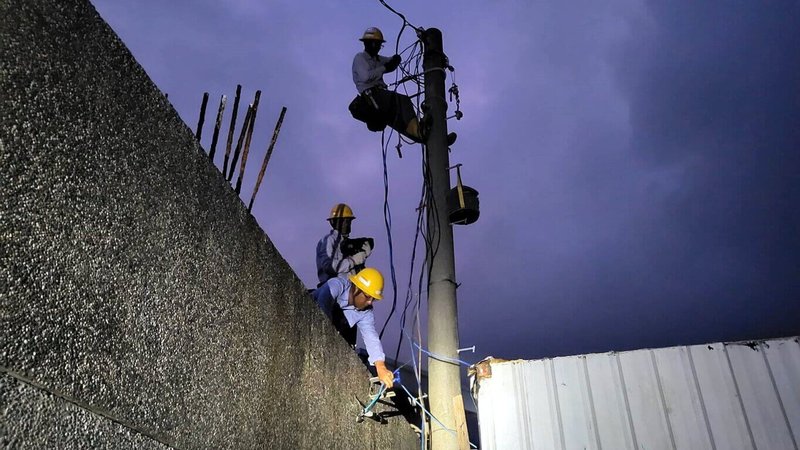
(141, 306)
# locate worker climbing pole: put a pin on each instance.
(375, 104)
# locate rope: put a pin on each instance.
(422, 407)
(374, 399)
(435, 356)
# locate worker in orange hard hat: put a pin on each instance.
(335, 255)
(347, 301)
(376, 105)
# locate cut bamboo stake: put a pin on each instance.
(245, 127)
(266, 157)
(247, 142)
(199, 132)
(231, 129)
(218, 123)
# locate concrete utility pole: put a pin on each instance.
(444, 379)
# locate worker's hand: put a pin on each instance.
(384, 374)
(366, 248)
(392, 64)
(359, 258)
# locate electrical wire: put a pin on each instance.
(405, 21)
(409, 291)
(387, 220)
(386, 208)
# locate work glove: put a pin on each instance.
(366, 248)
(384, 374)
(359, 258)
(392, 64)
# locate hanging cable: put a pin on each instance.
(409, 291)
(386, 210)
(405, 21)
(387, 220)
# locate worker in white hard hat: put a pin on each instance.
(331, 261)
(376, 105)
(347, 301)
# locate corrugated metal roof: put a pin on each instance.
(717, 396)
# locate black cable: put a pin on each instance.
(409, 291)
(405, 21)
(414, 56)
(387, 220)
(387, 216)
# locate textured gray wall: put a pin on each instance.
(140, 304)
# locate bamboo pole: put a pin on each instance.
(231, 129)
(242, 134)
(267, 156)
(217, 125)
(247, 141)
(199, 132)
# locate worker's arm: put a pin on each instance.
(392, 63)
(385, 375)
(366, 326)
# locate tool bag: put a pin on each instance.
(362, 110)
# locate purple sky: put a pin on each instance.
(637, 162)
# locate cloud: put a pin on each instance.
(636, 162)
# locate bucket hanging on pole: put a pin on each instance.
(462, 202)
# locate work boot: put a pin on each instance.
(424, 130)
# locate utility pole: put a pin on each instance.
(444, 378)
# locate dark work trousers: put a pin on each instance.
(394, 109)
(342, 326)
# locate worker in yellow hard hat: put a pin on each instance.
(376, 105)
(331, 260)
(347, 301)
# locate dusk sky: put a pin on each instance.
(637, 162)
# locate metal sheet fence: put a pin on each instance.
(725, 396)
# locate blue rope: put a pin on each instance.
(434, 355)
(374, 399)
(419, 384)
(377, 396)
(422, 407)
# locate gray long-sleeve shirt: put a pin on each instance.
(330, 261)
(368, 71)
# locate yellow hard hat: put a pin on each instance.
(372, 34)
(370, 281)
(341, 211)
